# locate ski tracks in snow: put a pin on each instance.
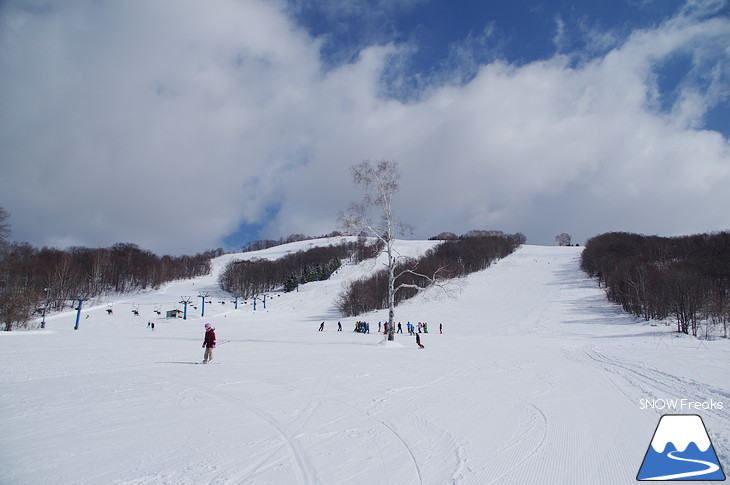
(640, 380)
(381, 431)
(303, 469)
(650, 381)
(245, 469)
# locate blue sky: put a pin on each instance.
(466, 34)
(184, 126)
(520, 31)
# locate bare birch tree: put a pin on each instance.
(379, 182)
(563, 239)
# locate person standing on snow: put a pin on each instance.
(208, 343)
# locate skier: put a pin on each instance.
(418, 340)
(441, 328)
(339, 326)
(400, 329)
(208, 343)
(321, 327)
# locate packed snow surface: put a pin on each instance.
(535, 379)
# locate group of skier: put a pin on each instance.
(364, 327)
(209, 341)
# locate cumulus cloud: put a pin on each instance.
(168, 125)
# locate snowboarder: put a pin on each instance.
(321, 327)
(208, 343)
(418, 341)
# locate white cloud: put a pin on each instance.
(168, 125)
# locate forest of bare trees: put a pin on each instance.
(248, 278)
(453, 258)
(36, 280)
(686, 278)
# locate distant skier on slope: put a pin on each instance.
(418, 340)
(208, 343)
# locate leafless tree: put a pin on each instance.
(16, 306)
(379, 181)
(563, 239)
(4, 226)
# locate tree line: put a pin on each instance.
(36, 280)
(248, 278)
(652, 277)
(260, 244)
(456, 257)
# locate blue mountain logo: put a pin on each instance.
(681, 450)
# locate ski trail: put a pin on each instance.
(711, 468)
(369, 415)
(303, 469)
(305, 472)
(408, 449)
(541, 422)
(650, 380)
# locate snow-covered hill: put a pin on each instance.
(535, 379)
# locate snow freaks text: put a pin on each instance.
(679, 405)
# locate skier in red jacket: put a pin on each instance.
(208, 343)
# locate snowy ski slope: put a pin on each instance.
(536, 379)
